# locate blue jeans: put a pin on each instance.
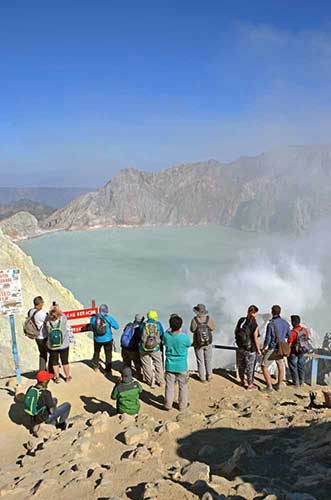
(60, 414)
(296, 363)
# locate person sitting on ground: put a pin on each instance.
(102, 325)
(150, 351)
(130, 341)
(126, 393)
(278, 330)
(247, 340)
(202, 327)
(176, 366)
(300, 345)
(58, 341)
(39, 316)
(42, 407)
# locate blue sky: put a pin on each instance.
(87, 88)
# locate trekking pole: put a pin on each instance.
(14, 349)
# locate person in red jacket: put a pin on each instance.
(299, 341)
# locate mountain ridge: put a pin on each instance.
(278, 191)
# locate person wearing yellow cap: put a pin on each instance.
(150, 350)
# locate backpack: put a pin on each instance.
(127, 335)
(150, 338)
(203, 334)
(243, 335)
(30, 328)
(303, 345)
(100, 326)
(31, 399)
(55, 335)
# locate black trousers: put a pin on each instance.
(130, 357)
(43, 353)
(108, 349)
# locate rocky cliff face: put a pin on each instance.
(21, 225)
(286, 190)
(34, 283)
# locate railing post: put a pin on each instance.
(314, 371)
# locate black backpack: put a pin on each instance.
(100, 326)
(203, 334)
(243, 335)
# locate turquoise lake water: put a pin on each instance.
(170, 269)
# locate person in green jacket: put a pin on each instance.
(126, 393)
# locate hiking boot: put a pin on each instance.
(35, 429)
(61, 425)
(267, 389)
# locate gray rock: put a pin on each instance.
(135, 435)
(196, 471)
(206, 451)
(246, 491)
(232, 467)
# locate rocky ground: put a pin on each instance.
(229, 443)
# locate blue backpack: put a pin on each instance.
(127, 335)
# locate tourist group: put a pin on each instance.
(158, 356)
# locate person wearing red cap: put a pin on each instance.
(42, 407)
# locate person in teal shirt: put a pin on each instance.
(176, 345)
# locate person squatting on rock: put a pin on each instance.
(176, 345)
(38, 316)
(42, 407)
(202, 327)
(150, 350)
(101, 326)
(300, 345)
(126, 393)
(130, 341)
(247, 340)
(59, 336)
(278, 331)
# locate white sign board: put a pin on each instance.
(10, 291)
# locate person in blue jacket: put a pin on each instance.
(101, 326)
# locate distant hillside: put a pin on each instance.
(53, 197)
(21, 225)
(283, 190)
(38, 210)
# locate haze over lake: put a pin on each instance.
(173, 268)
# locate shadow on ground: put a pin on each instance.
(94, 405)
(17, 415)
(296, 459)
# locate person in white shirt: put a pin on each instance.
(39, 318)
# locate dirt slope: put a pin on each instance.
(228, 444)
